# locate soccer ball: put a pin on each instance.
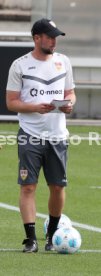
(66, 240)
(63, 222)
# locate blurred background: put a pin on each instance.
(81, 20)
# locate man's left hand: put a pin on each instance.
(67, 108)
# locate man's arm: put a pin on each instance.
(69, 95)
(15, 104)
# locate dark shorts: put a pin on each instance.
(35, 154)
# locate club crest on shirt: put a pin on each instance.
(58, 65)
(23, 174)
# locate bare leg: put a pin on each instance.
(27, 203)
(56, 200)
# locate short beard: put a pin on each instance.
(47, 51)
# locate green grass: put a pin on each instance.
(83, 205)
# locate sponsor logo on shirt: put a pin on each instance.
(34, 92)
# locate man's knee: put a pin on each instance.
(28, 189)
(57, 188)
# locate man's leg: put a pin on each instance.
(55, 206)
(56, 200)
(27, 203)
(28, 214)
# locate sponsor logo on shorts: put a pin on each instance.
(23, 174)
(64, 180)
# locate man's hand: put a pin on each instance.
(44, 108)
(67, 108)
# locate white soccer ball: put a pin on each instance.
(63, 222)
(66, 240)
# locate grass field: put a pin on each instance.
(83, 205)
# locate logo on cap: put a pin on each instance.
(52, 23)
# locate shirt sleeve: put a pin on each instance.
(14, 82)
(69, 82)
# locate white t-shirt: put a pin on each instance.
(41, 82)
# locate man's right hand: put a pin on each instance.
(43, 108)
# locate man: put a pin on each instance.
(34, 81)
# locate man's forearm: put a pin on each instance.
(70, 95)
(22, 107)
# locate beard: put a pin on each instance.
(47, 51)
